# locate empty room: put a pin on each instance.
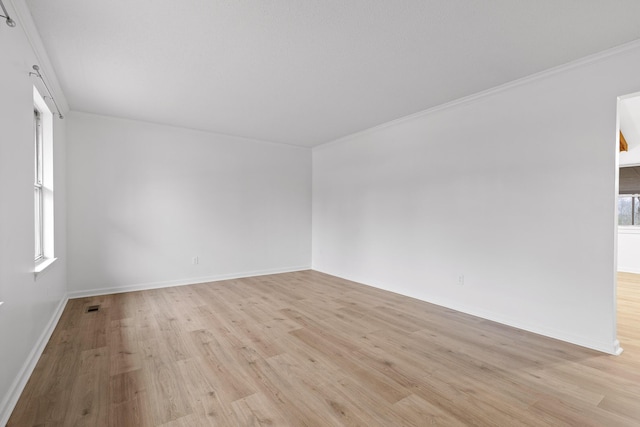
(319, 213)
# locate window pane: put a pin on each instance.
(636, 210)
(38, 222)
(36, 167)
(38, 148)
(624, 210)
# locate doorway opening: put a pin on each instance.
(627, 226)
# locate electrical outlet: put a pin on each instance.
(461, 280)
(194, 261)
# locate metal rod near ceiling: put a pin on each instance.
(10, 22)
(36, 70)
(37, 74)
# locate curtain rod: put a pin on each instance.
(10, 22)
(37, 74)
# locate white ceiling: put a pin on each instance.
(306, 72)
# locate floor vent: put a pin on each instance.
(93, 308)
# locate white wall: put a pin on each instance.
(30, 306)
(144, 199)
(631, 157)
(629, 249)
(515, 190)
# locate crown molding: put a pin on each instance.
(590, 59)
(25, 22)
(239, 138)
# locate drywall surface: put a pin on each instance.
(146, 199)
(631, 157)
(502, 206)
(30, 305)
(629, 249)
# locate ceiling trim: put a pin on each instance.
(25, 22)
(188, 129)
(589, 59)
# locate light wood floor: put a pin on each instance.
(310, 349)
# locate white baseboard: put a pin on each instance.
(181, 282)
(605, 347)
(634, 270)
(11, 398)
(616, 348)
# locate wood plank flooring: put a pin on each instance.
(308, 349)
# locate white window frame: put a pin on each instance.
(43, 184)
(38, 187)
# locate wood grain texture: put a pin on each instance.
(308, 349)
(623, 143)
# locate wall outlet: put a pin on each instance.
(461, 280)
(194, 260)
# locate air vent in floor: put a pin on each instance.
(93, 308)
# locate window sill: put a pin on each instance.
(42, 266)
(629, 229)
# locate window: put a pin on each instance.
(629, 209)
(37, 187)
(42, 183)
(629, 196)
